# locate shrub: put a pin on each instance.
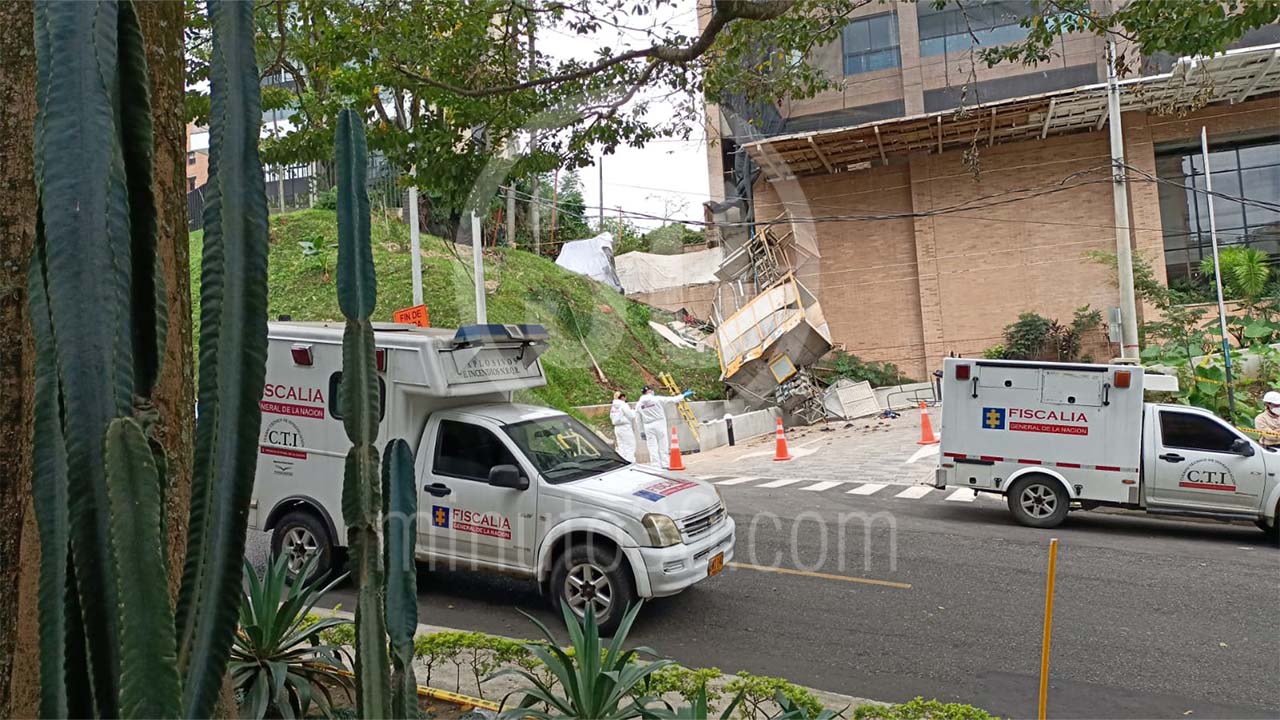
(683, 681)
(327, 200)
(995, 352)
(921, 709)
(759, 696)
(846, 365)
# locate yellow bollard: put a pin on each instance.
(1048, 628)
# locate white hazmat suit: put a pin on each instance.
(653, 418)
(623, 419)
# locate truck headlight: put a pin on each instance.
(662, 530)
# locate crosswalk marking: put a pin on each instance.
(915, 492)
(819, 487)
(962, 495)
(868, 489)
(781, 483)
(737, 480)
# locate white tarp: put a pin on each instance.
(592, 257)
(647, 272)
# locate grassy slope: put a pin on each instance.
(521, 288)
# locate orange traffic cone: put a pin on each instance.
(677, 463)
(781, 453)
(926, 428)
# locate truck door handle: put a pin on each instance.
(438, 489)
(1172, 457)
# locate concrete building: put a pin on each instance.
(933, 201)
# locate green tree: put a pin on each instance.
(1246, 273)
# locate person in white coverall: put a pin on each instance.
(623, 419)
(653, 418)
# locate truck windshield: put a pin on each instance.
(563, 449)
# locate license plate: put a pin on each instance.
(715, 564)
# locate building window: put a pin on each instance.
(1245, 171)
(957, 28)
(191, 158)
(870, 44)
(191, 183)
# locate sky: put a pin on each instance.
(665, 178)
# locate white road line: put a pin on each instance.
(781, 483)
(868, 489)
(924, 452)
(738, 480)
(915, 492)
(962, 495)
(825, 485)
(807, 443)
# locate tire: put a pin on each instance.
(301, 533)
(1038, 501)
(1272, 531)
(606, 571)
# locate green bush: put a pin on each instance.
(921, 709)
(995, 352)
(686, 682)
(846, 365)
(478, 653)
(759, 695)
(327, 200)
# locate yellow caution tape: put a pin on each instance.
(445, 695)
(1252, 431)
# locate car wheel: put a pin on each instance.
(1038, 501)
(599, 577)
(299, 536)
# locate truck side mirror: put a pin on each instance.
(507, 476)
(1240, 446)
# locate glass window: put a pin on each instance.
(191, 158)
(1246, 183)
(981, 23)
(468, 451)
(335, 381)
(562, 448)
(1194, 432)
(871, 43)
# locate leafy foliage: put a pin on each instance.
(848, 365)
(595, 681)
(760, 693)
(921, 709)
(1033, 337)
(279, 660)
(1246, 272)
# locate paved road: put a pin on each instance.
(1153, 618)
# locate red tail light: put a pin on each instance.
(962, 372)
(301, 355)
(381, 356)
(1122, 378)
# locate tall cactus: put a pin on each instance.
(400, 536)
(233, 355)
(110, 643)
(358, 398)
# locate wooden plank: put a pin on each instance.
(1048, 117)
(991, 134)
(818, 151)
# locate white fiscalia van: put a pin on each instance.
(510, 488)
(1053, 437)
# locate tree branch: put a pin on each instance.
(726, 11)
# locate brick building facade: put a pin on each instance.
(914, 254)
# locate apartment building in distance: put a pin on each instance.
(932, 200)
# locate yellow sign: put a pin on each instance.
(416, 315)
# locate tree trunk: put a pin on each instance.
(17, 235)
(162, 27)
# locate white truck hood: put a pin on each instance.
(644, 490)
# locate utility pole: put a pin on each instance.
(600, 188)
(1120, 199)
(415, 241)
(1217, 269)
(535, 210)
(477, 259)
(555, 195)
(511, 212)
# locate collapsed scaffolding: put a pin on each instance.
(775, 330)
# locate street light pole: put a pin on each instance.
(1120, 199)
(1217, 269)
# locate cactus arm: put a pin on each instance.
(49, 497)
(400, 537)
(358, 398)
(84, 215)
(148, 654)
(233, 344)
(150, 322)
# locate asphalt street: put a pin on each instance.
(1153, 618)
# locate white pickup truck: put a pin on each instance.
(510, 488)
(1052, 437)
